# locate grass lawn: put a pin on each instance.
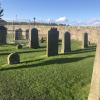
(38, 77)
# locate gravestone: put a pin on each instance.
(27, 34)
(52, 42)
(66, 43)
(85, 40)
(19, 46)
(95, 83)
(34, 40)
(3, 35)
(42, 40)
(13, 58)
(18, 34)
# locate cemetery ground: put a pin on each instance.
(38, 77)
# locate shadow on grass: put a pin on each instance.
(48, 62)
(6, 53)
(89, 49)
(30, 51)
(30, 61)
(20, 52)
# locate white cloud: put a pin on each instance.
(90, 22)
(61, 20)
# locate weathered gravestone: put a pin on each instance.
(34, 40)
(18, 34)
(3, 35)
(95, 83)
(85, 40)
(19, 46)
(27, 34)
(52, 42)
(66, 43)
(13, 58)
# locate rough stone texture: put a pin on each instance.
(85, 40)
(76, 32)
(27, 34)
(19, 46)
(95, 83)
(18, 34)
(34, 40)
(13, 58)
(3, 35)
(66, 43)
(52, 42)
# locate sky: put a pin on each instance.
(61, 11)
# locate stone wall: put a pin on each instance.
(76, 32)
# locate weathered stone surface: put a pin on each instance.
(34, 40)
(95, 83)
(66, 43)
(52, 42)
(3, 35)
(85, 40)
(18, 34)
(13, 58)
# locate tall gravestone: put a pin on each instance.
(95, 83)
(27, 34)
(18, 34)
(34, 40)
(3, 35)
(85, 40)
(52, 42)
(66, 42)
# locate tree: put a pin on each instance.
(1, 12)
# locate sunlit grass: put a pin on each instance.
(38, 77)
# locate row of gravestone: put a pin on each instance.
(53, 38)
(53, 35)
(52, 43)
(18, 34)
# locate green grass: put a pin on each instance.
(38, 77)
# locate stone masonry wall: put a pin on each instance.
(76, 32)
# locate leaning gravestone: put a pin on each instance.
(85, 40)
(52, 42)
(18, 34)
(34, 40)
(95, 83)
(3, 35)
(66, 43)
(13, 58)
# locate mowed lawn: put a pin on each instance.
(38, 77)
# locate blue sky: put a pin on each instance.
(72, 10)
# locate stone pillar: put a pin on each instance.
(95, 83)
(52, 42)
(66, 43)
(34, 40)
(85, 40)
